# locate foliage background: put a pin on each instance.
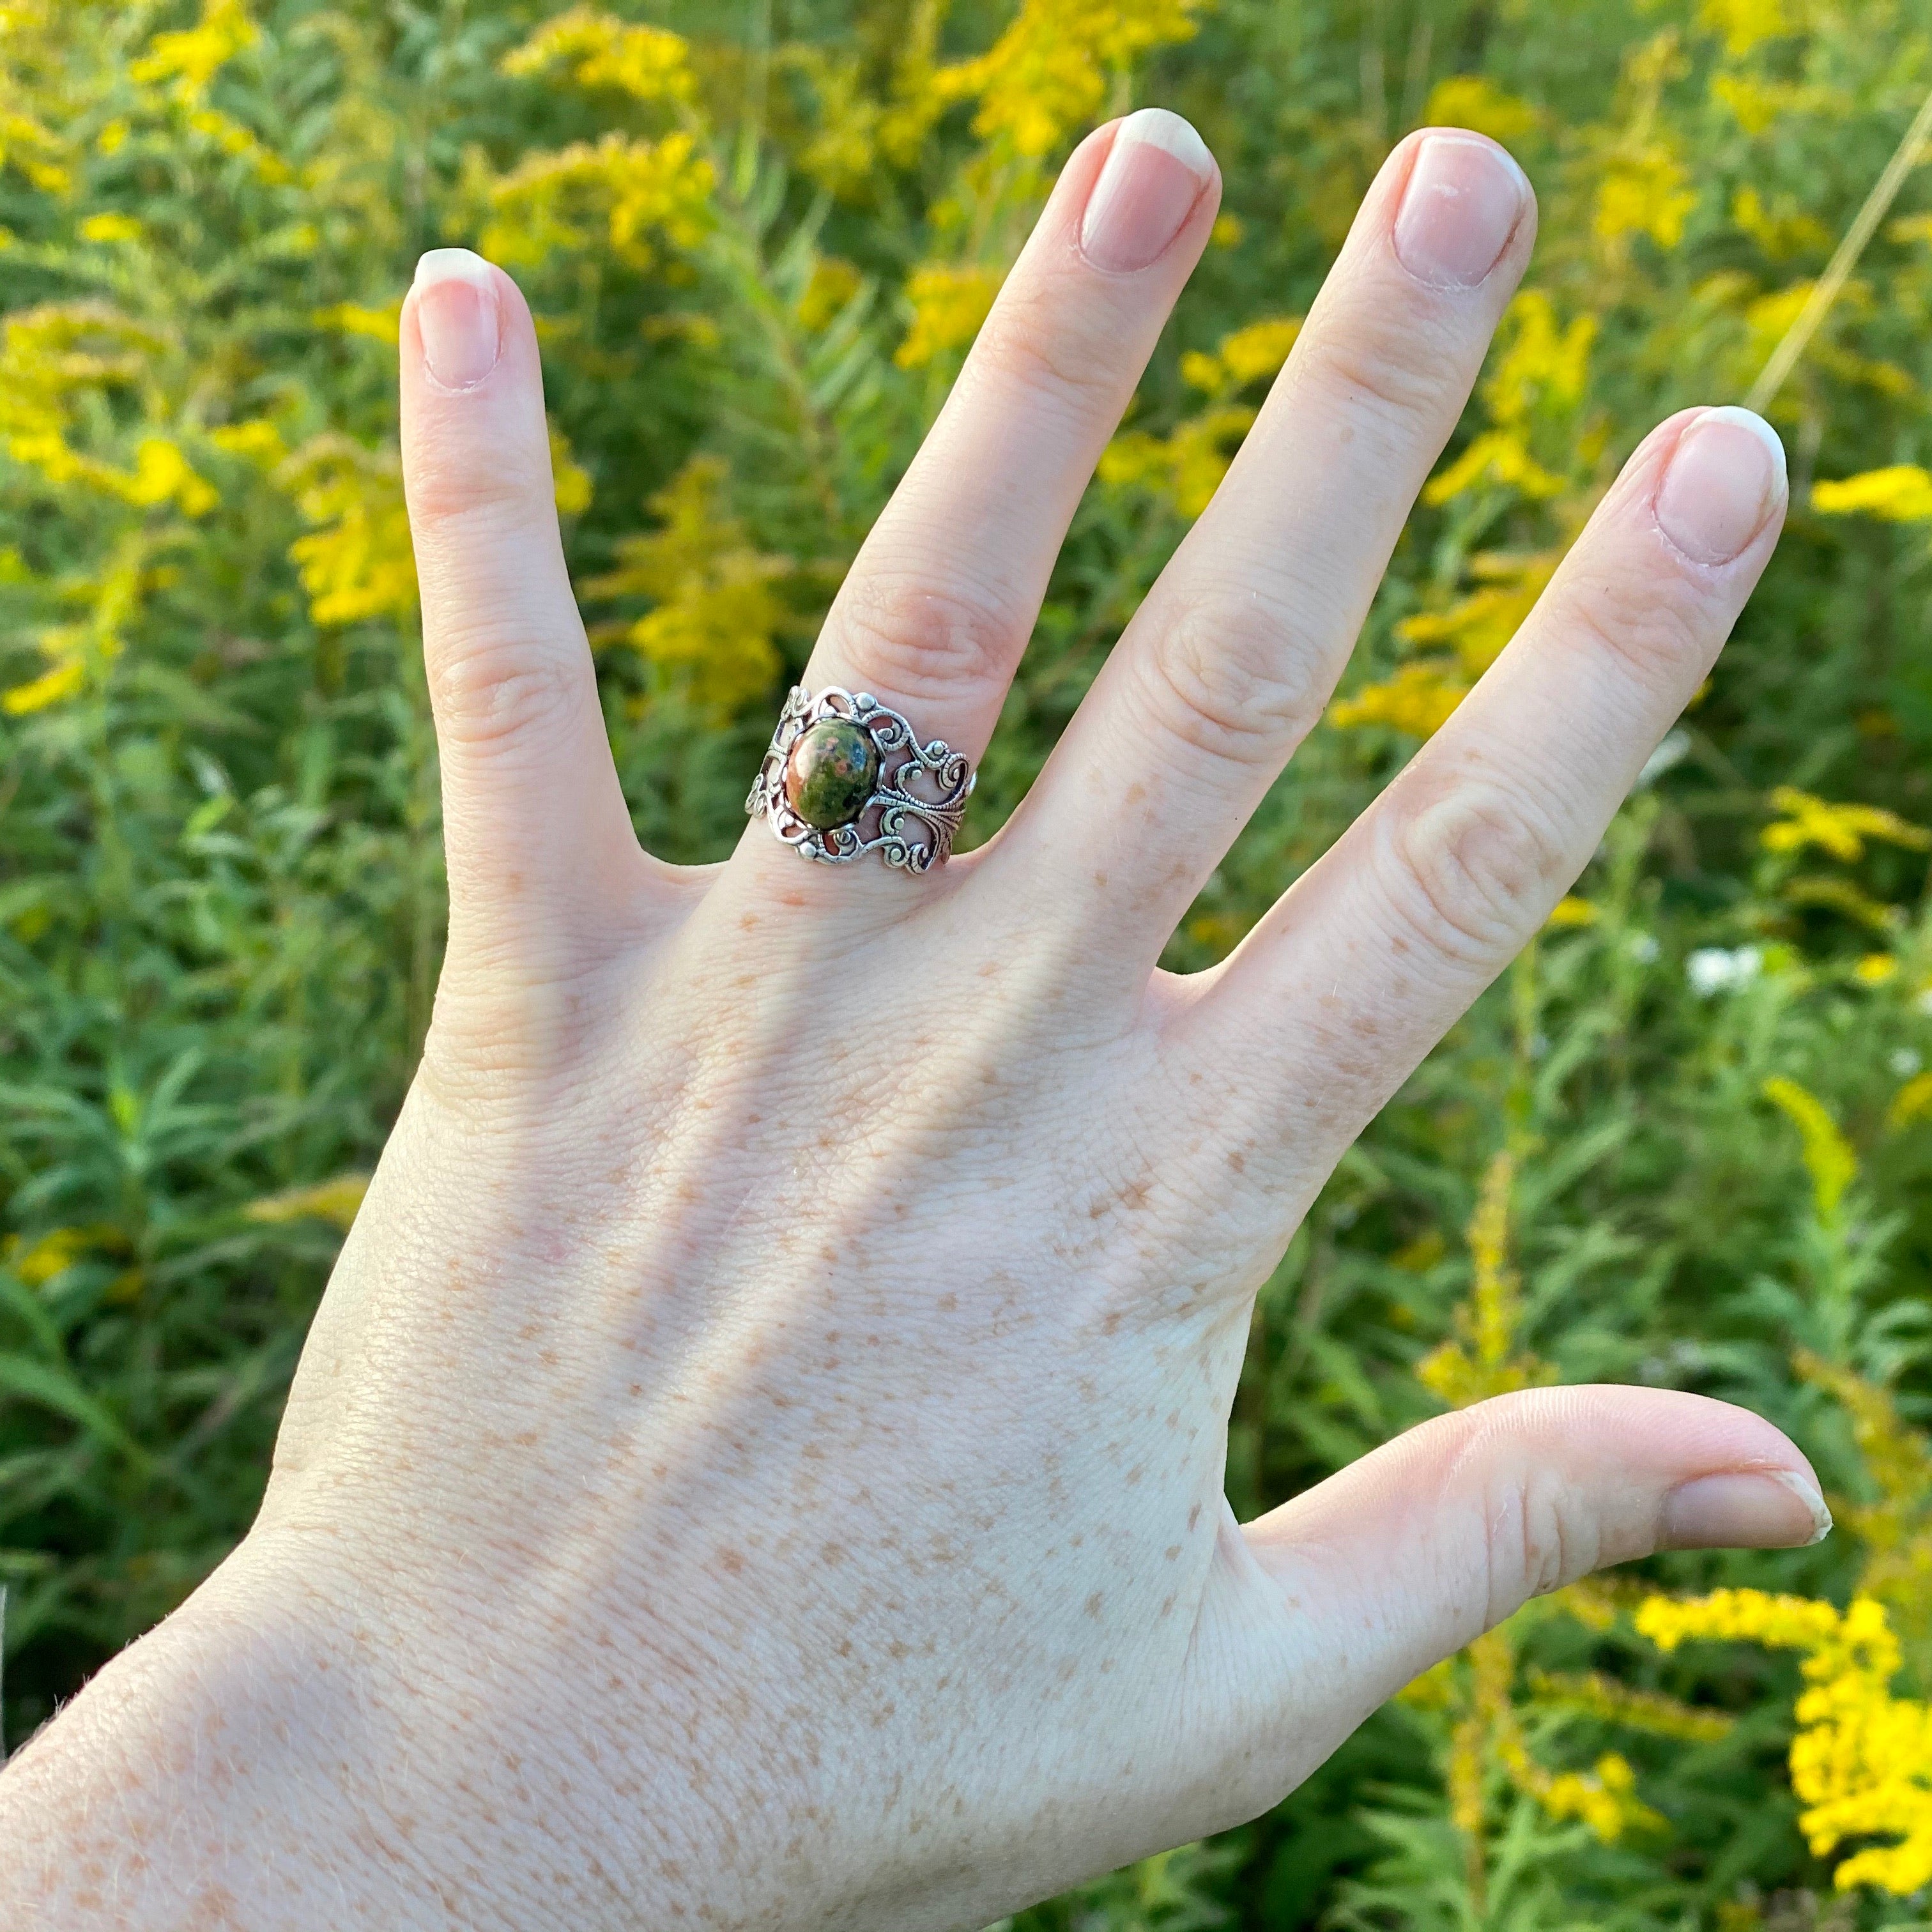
(1686, 1142)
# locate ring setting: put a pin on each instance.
(844, 776)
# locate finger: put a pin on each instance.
(1406, 1555)
(1388, 939)
(534, 820)
(937, 610)
(1233, 656)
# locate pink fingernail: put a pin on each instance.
(1464, 198)
(1154, 174)
(1759, 1509)
(456, 315)
(1726, 480)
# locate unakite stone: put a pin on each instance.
(831, 772)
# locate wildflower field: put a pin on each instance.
(1687, 1141)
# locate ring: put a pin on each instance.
(845, 775)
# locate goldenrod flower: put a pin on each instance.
(1418, 699)
(1839, 829)
(1829, 1156)
(1049, 72)
(949, 303)
(647, 63)
(1246, 355)
(1475, 101)
(628, 193)
(716, 615)
(1862, 1761)
(1644, 191)
(1902, 494)
(1743, 23)
(1187, 466)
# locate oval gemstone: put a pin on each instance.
(832, 769)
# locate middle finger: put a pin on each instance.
(1230, 661)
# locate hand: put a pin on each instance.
(759, 1460)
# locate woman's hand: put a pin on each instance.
(759, 1460)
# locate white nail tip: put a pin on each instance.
(1748, 419)
(1159, 128)
(453, 264)
(1806, 1492)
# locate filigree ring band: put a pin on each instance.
(845, 775)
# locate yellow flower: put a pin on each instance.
(1839, 829)
(1185, 468)
(1743, 23)
(1499, 458)
(1780, 236)
(1605, 1800)
(1902, 494)
(110, 228)
(378, 325)
(1570, 911)
(716, 614)
(623, 190)
(1841, 896)
(162, 475)
(1418, 699)
(1227, 232)
(1829, 1156)
(570, 481)
(832, 286)
(1644, 191)
(647, 63)
(191, 58)
(357, 564)
(51, 687)
(1912, 1102)
(1592, 1694)
(1473, 100)
(948, 306)
(1050, 71)
(1246, 356)
(1861, 1760)
(1486, 1360)
(1876, 968)
(257, 439)
(1479, 625)
(336, 1200)
(38, 1262)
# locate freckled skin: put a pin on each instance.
(758, 1462)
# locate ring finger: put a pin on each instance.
(937, 610)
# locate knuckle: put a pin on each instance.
(918, 639)
(1056, 348)
(1234, 677)
(456, 498)
(1539, 1530)
(1646, 629)
(1468, 866)
(1536, 1538)
(484, 691)
(1387, 361)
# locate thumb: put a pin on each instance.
(1405, 1556)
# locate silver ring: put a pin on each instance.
(845, 775)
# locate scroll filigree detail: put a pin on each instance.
(916, 804)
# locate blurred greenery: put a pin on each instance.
(1686, 1142)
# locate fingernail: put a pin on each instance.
(456, 314)
(1154, 174)
(1464, 199)
(1767, 1509)
(1725, 482)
